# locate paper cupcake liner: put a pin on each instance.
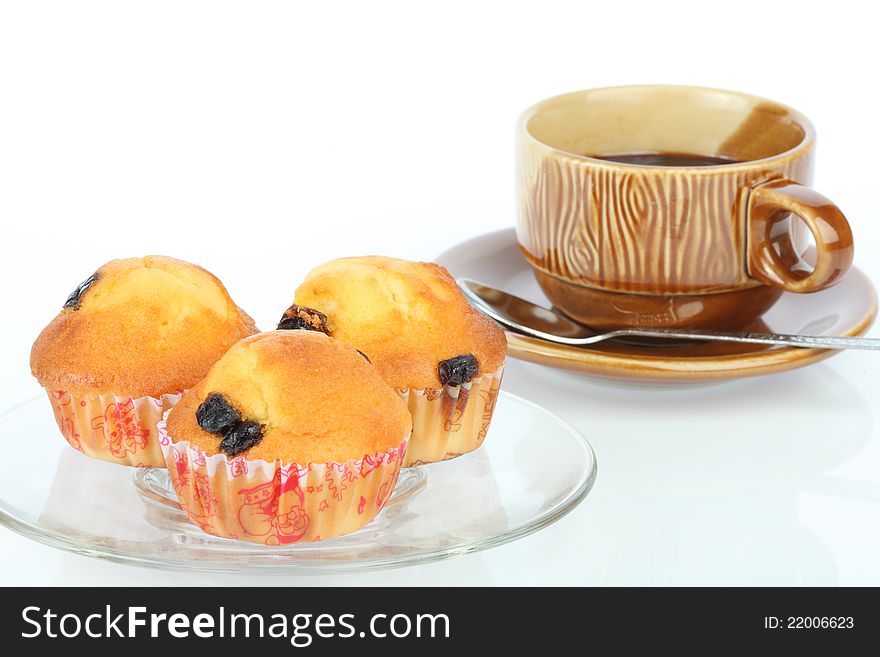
(279, 503)
(119, 429)
(451, 421)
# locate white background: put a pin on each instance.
(261, 138)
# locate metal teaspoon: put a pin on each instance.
(525, 317)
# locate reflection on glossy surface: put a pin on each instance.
(532, 470)
(752, 481)
(513, 312)
(85, 499)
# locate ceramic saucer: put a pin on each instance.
(847, 309)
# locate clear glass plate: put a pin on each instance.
(533, 469)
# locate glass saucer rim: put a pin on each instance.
(546, 518)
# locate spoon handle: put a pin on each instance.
(807, 341)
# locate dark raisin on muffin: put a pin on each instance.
(303, 318)
(73, 300)
(457, 370)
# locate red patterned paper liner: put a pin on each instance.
(277, 503)
(119, 429)
(451, 421)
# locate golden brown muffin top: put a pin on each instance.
(405, 316)
(139, 326)
(316, 399)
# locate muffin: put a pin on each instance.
(127, 342)
(410, 319)
(292, 436)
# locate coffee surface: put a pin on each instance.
(667, 159)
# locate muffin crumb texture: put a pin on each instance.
(407, 317)
(311, 398)
(139, 326)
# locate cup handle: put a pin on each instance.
(771, 202)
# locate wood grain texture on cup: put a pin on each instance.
(671, 238)
(639, 230)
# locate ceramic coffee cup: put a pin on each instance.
(617, 244)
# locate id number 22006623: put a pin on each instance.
(808, 622)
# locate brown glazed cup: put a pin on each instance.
(617, 245)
